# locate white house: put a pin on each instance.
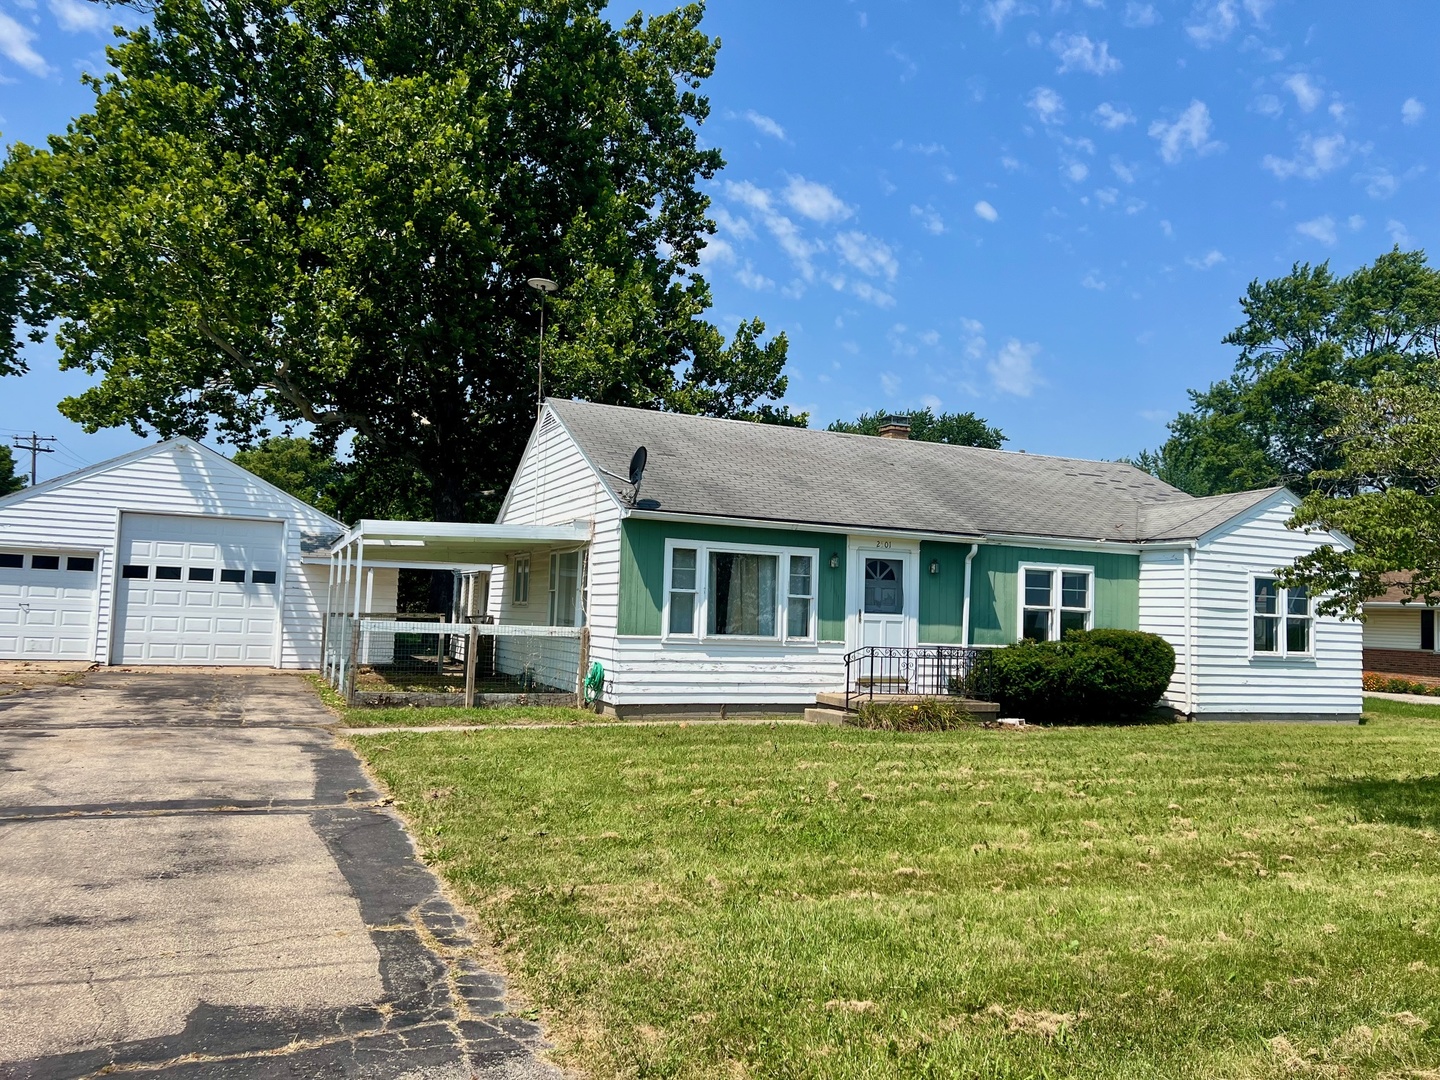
(754, 558)
(172, 554)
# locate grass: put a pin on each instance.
(455, 715)
(1195, 900)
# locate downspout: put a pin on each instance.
(965, 603)
(1189, 631)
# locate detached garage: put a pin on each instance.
(169, 555)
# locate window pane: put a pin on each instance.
(1297, 635)
(799, 624)
(1037, 588)
(682, 613)
(1071, 620)
(1267, 634)
(80, 563)
(11, 559)
(884, 586)
(167, 573)
(799, 575)
(262, 577)
(742, 594)
(1036, 625)
(202, 573)
(134, 570)
(232, 575)
(44, 562)
(565, 586)
(1267, 597)
(1075, 590)
(682, 568)
(1297, 602)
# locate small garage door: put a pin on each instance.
(47, 605)
(197, 590)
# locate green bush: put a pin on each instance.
(927, 714)
(1092, 676)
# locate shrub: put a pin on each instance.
(1393, 684)
(927, 714)
(1091, 676)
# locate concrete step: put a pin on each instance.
(986, 710)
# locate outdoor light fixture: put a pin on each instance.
(834, 561)
(934, 566)
(543, 286)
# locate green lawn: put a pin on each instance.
(455, 715)
(1194, 900)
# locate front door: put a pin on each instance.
(882, 604)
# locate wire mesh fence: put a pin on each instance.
(382, 659)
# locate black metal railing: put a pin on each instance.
(925, 670)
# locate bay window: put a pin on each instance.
(1283, 621)
(738, 591)
(1055, 600)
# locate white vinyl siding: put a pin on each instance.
(1392, 628)
(1162, 611)
(177, 479)
(1230, 680)
(719, 672)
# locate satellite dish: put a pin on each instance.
(637, 467)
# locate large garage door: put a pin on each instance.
(47, 605)
(196, 590)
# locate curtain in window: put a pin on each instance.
(742, 594)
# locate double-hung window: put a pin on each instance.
(732, 591)
(520, 589)
(1283, 621)
(1054, 600)
(565, 589)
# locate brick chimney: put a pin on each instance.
(895, 427)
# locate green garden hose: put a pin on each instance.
(594, 682)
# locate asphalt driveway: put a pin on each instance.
(198, 880)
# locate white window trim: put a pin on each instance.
(515, 585)
(578, 615)
(1282, 606)
(1056, 592)
(703, 550)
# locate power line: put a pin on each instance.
(33, 445)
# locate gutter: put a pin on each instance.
(965, 604)
(1189, 630)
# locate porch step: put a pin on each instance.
(832, 702)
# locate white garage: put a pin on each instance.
(169, 555)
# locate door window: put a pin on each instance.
(884, 587)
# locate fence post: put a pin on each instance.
(472, 650)
(350, 671)
(584, 664)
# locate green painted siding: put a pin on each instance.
(942, 595)
(994, 600)
(642, 569)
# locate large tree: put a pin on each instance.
(926, 425)
(1268, 423)
(11, 480)
(324, 212)
(297, 466)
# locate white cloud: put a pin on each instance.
(1084, 145)
(1209, 260)
(998, 12)
(1413, 111)
(930, 221)
(1214, 22)
(1077, 171)
(1010, 164)
(786, 233)
(871, 295)
(1138, 16)
(1078, 53)
(931, 402)
(717, 252)
(763, 123)
(1108, 196)
(1339, 110)
(737, 227)
(1111, 118)
(1012, 371)
(79, 16)
(15, 43)
(1047, 105)
(1091, 281)
(1321, 229)
(743, 191)
(815, 201)
(984, 210)
(1190, 131)
(1167, 228)
(1307, 94)
(1399, 235)
(1380, 183)
(1268, 105)
(930, 338)
(748, 276)
(867, 254)
(1123, 172)
(1314, 159)
(1356, 222)
(890, 382)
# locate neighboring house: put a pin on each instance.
(172, 554)
(1400, 634)
(756, 557)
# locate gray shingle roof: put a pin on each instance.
(762, 472)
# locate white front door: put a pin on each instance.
(883, 603)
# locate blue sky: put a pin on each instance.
(1043, 211)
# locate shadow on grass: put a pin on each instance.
(1413, 803)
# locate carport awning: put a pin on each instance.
(453, 544)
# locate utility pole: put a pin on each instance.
(33, 445)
